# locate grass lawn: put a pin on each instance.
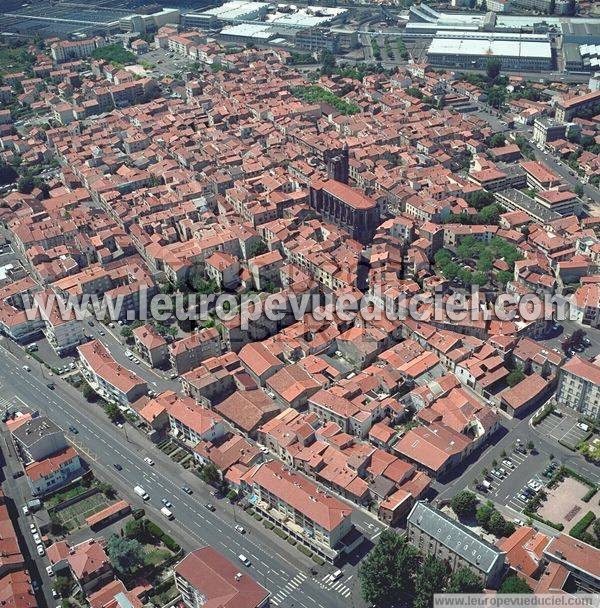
(154, 556)
(73, 517)
(62, 496)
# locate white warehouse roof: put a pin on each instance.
(490, 47)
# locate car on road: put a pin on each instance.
(49, 571)
(335, 575)
(41, 551)
(244, 559)
(507, 463)
(149, 461)
(209, 506)
(166, 503)
(188, 490)
(240, 529)
(73, 430)
(118, 466)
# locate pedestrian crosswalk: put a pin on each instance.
(339, 586)
(290, 587)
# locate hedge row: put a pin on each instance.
(281, 533)
(318, 560)
(533, 515)
(169, 543)
(590, 494)
(582, 525)
(304, 550)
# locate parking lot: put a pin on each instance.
(562, 428)
(506, 483)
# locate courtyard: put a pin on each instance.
(565, 505)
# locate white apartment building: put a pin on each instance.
(579, 387)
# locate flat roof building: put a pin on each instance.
(530, 52)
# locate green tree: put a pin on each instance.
(387, 572)
(136, 528)
(464, 503)
(127, 332)
(25, 184)
(515, 376)
(113, 412)
(464, 580)
(530, 445)
(328, 63)
(514, 584)
(7, 174)
(126, 554)
(107, 490)
(497, 140)
(430, 579)
(210, 474)
(484, 513)
(492, 68)
(579, 190)
(498, 526)
(89, 393)
(63, 585)
(496, 96)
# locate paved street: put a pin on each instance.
(276, 565)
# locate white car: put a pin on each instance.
(583, 426)
(244, 559)
(49, 571)
(240, 529)
(149, 461)
(41, 551)
(25, 510)
(508, 463)
(37, 539)
(337, 574)
(32, 528)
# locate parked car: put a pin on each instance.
(73, 430)
(187, 490)
(49, 571)
(149, 461)
(583, 426)
(508, 463)
(41, 551)
(166, 503)
(240, 529)
(210, 506)
(118, 466)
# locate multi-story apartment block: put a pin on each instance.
(67, 50)
(196, 577)
(575, 106)
(53, 472)
(312, 517)
(188, 353)
(579, 387)
(37, 438)
(107, 377)
(434, 533)
(151, 345)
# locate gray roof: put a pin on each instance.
(458, 538)
(31, 431)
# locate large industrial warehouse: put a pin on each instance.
(528, 52)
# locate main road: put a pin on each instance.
(283, 570)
